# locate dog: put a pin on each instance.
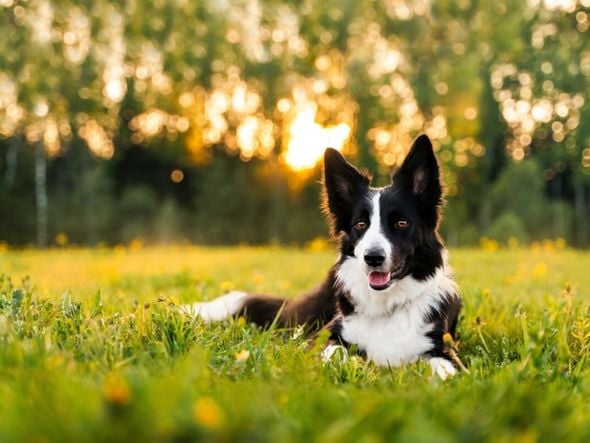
(391, 295)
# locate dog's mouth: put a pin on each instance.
(382, 280)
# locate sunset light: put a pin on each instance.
(308, 139)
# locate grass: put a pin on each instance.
(88, 353)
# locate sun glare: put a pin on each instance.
(308, 139)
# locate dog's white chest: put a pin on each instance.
(390, 340)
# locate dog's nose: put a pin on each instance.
(375, 257)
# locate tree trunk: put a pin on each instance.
(581, 215)
(90, 212)
(558, 215)
(277, 202)
(11, 162)
(41, 194)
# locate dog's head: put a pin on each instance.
(391, 232)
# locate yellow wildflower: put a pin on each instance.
(488, 244)
(318, 244)
(208, 414)
(448, 339)
(285, 285)
(136, 244)
(539, 271)
(116, 390)
(258, 279)
(54, 361)
(548, 245)
(61, 239)
(227, 286)
(242, 356)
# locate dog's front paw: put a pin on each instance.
(442, 367)
(334, 351)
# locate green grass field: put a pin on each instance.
(92, 349)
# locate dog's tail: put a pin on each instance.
(313, 309)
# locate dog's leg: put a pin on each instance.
(442, 367)
(332, 350)
(219, 309)
(336, 345)
(440, 359)
(313, 309)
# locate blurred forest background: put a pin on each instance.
(204, 120)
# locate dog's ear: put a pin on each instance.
(419, 174)
(343, 185)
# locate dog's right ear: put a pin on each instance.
(343, 184)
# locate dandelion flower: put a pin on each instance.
(61, 239)
(447, 339)
(116, 390)
(258, 279)
(208, 414)
(242, 355)
(539, 271)
(227, 286)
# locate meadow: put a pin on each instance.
(94, 349)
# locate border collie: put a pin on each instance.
(390, 295)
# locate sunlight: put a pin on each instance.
(552, 114)
(308, 140)
(563, 5)
(11, 113)
(97, 138)
(155, 122)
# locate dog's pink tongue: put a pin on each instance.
(378, 278)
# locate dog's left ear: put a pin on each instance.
(419, 173)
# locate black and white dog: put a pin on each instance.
(391, 293)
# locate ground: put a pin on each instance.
(93, 349)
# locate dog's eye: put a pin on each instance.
(360, 225)
(402, 224)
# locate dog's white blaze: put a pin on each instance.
(442, 367)
(218, 309)
(374, 236)
(389, 325)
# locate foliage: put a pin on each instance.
(120, 97)
(113, 359)
(508, 225)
